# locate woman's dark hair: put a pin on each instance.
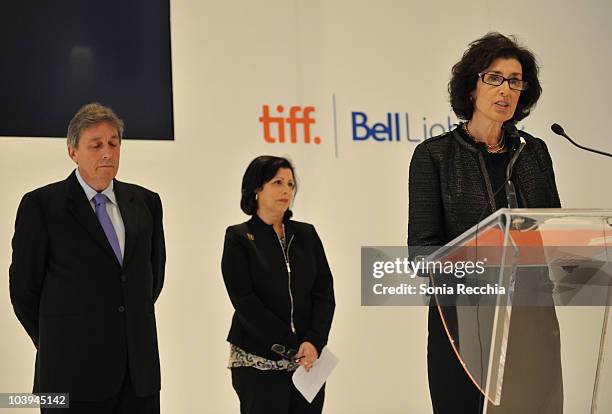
(261, 170)
(479, 56)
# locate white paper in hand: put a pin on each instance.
(309, 383)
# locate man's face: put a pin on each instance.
(97, 155)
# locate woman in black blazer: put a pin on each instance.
(456, 179)
(281, 287)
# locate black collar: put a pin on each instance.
(258, 224)
(459, 133)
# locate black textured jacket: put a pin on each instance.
(268, 295)
(449, 185)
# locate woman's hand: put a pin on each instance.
(307, 354)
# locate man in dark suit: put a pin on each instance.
(87, 267)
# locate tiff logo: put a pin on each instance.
(298, 116)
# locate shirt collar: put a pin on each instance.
(91, 193)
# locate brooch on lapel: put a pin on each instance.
(250, 236)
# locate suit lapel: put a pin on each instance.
(129, 214)
(81, 210)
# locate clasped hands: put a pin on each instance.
(307, 355)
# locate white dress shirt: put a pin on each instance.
(112, 208)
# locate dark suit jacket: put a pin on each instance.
(266, 297)
(88, 316)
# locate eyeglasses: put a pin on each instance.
(496, 80)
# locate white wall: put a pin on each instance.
(230, 58)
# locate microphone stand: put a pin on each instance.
(558, 129)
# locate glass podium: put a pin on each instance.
(533, 314)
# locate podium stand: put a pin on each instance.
(540, 318)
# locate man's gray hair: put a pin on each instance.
(90, 115)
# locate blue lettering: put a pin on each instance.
(362, 123)
(380, 130)
(397, 127)
(391, 130)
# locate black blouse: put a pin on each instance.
(496, 169)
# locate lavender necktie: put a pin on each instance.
(107, 225)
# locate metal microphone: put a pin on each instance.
(509, 185)
(557, 129)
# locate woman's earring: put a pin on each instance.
(256, 196)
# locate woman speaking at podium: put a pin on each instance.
(456, 179)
